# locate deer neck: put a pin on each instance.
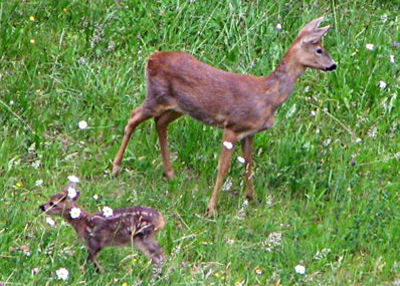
(79, 224)
(281, 82)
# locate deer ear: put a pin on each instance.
(315, 35)
(312, 25)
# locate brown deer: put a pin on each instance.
(242, 105)
(135, 226)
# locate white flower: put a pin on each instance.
(313, 113)
(38, 183)
(382, 84)
(11, 102)
(384, 18)
(228, 145)
(327, 142)
(391, 59)
(82, 125)
(62, 273)
(95, 197)
(107, 212)
(307, 89)
(245, 203)
(35, 270)
(73, 179)
(50, 221)
(241, 160)
(230, 242)
(278, 27)
(369, 47)
(75, 213)
(358, 140)
(71, 192)
(300, 269)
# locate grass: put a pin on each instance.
(317, 185)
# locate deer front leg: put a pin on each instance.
(152, 249)
(92, 258)
(138, 115)
(247, 149)
(228, 143)
(162, 125)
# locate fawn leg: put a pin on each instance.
(223, 167)
(92, 258)
(137, 116)
(149, 247)
(247, 149)
(161, 125)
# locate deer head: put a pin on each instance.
(61, 203)
(309, 50)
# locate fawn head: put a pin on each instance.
(309, 50)
(61, 203)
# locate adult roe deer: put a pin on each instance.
(242, 105)
(135, 226)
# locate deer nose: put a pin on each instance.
(42, 208)
(332, 67)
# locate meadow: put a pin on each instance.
(326, 175)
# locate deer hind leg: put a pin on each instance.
(162, 124)
(149, 247)
(247, 149)
(138, 115)
(229, 140)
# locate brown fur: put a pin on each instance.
(178, 84)
(135, 226)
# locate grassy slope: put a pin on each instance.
(87, 62)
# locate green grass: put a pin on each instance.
(84, 60)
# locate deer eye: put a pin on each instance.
(318, 51)
(52, 204)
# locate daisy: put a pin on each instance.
(82, 125)
(278, 27)
(382, 84)
(75, 213)
(62, 274)
(241, 160)
(50, 221)
(300, 269)
(369, 47)
(107, 211)
(71, 193)
(73, 179)
(228, 145)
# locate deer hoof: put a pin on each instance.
(211, 212)
(169, 175)
(115, 170)
(250, 196)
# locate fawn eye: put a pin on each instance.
(318, 51)
(52, 204)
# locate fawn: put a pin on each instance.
(135, 226)
(242, 105)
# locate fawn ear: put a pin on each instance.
(315, 35)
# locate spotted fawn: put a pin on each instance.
(135, 226)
